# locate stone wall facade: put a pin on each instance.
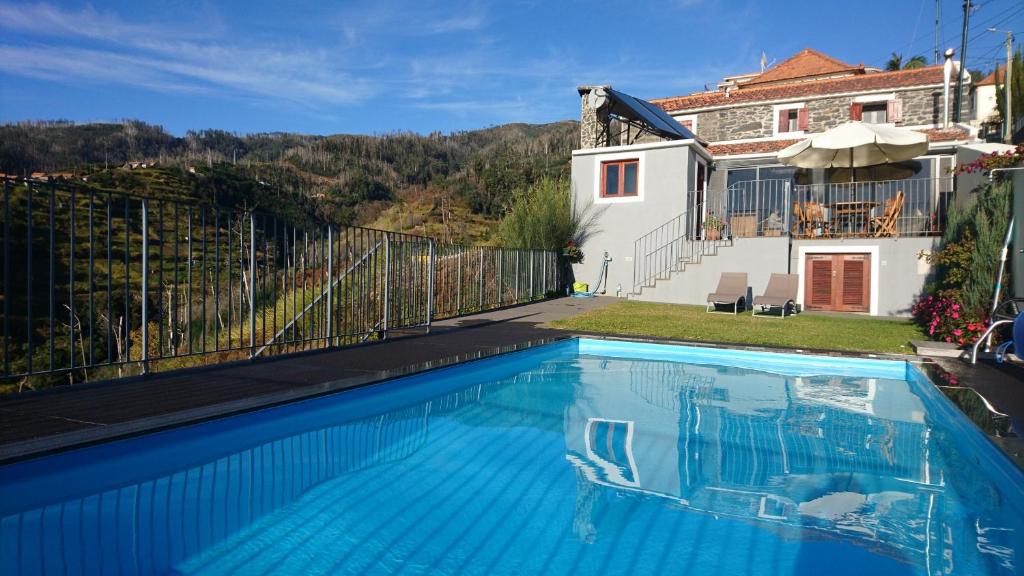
(920, 107)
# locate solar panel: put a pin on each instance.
(648, 114)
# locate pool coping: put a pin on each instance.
(43, 446)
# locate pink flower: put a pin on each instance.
(958, 332)
(956, 316)
(948, 339)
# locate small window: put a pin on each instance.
(791, 120)
(874, 113)
(619, 178)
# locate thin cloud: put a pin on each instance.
(137, 55)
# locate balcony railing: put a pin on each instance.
(878, 209)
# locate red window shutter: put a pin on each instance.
(783, 121)
(853, 282)
(856, 276)
(894, 111)
(801, 119)
(856, 111)
(820, 282)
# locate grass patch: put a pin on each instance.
(851, 333)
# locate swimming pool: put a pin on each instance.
(583, 456)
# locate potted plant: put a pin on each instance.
(713, 226)
(572, 252)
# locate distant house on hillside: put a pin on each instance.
(668, 196)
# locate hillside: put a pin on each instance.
(452, 186)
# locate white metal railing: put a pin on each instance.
(682, 240)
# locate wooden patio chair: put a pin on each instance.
(799, 224)
(885, 225)
(814, 218)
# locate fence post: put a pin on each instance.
(252, 285)
(481, 278)
(430, 285)
(533, 289)
(544, 275)
(145, 284)
(387, 278)
(458, 284)
(330, 286)
(518, 252)
(501, 279)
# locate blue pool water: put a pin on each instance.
(581, 457)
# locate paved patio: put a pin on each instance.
(54, 419)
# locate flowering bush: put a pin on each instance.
(947, 320)
(1007, 159)
(573, 252)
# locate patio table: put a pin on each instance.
(855, 214)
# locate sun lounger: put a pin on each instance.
(780, 293)
(732, 289)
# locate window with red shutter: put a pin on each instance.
(788, 119)
(802, 119)
(894, 111)
(620, 178)
(856, 111)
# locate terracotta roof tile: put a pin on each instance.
(806, 63)
(749, 147)
(763, 146)
(861, 82)
(945, 135)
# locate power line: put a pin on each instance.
(978, 27)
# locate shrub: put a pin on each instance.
(947, 320)
(955, 306)
(542, 217)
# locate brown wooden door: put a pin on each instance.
(839, 282)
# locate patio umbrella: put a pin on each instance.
(855, 145)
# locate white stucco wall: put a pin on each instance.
(667, 171)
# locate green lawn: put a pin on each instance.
(853, 333)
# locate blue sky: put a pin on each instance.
(377, 66)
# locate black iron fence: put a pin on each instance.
(101, 284)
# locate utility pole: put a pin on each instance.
(1007, 77)
(963, 63)
(1007, 82)
(938, 24)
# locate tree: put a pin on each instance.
(915, 62)
(896, 62)
(1017, 78)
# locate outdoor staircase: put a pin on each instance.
(667, 251)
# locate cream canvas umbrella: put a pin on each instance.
(855, 145)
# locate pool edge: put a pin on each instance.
(67, 441)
